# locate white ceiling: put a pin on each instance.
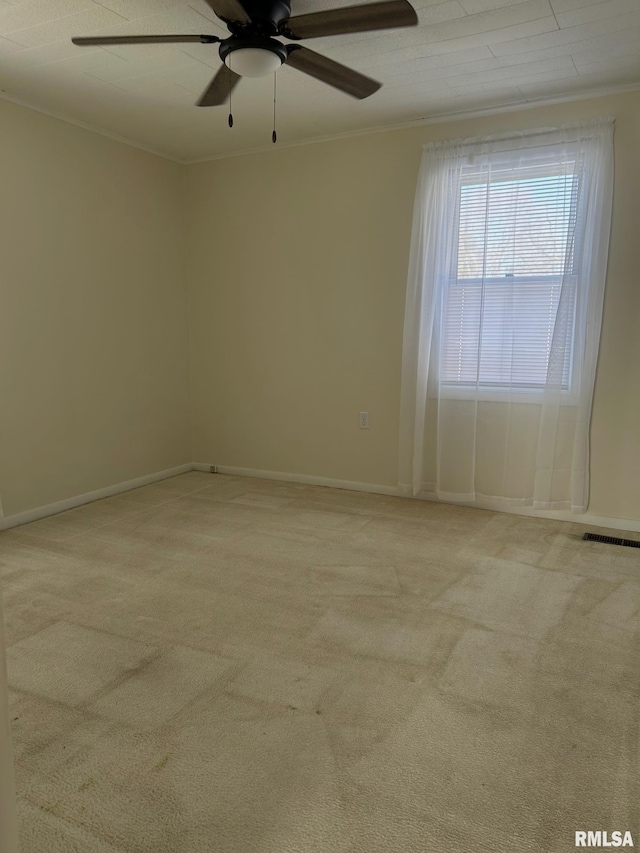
(465, 55)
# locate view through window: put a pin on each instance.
(515, 257)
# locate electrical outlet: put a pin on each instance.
(364, 420)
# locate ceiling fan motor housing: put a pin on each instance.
(266, 17)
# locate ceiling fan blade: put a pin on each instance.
(202, 39)
(229, 10)
(333, 73)
(351, 19)
(220, 88)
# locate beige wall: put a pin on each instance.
(296, 261)
(297, 264)
(93, 327)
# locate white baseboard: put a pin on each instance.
(306, 479)
(79, 500)
(586, 518)
(605, 521)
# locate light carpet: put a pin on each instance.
(214, 664)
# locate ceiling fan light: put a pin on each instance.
(253, 61)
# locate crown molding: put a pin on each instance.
(440, 118)
(124, 140)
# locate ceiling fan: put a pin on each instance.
(252, 49)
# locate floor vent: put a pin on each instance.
(611, 540)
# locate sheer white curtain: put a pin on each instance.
(503, 315)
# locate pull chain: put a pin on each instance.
(274, 135)
(230, 90)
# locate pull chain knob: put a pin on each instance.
(274, 135)
(230, 90)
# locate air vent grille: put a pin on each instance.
(611, 540)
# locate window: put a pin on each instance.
(513, 271)
(505, 290)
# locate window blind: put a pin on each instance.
(515, 258)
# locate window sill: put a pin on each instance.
(489, 394)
